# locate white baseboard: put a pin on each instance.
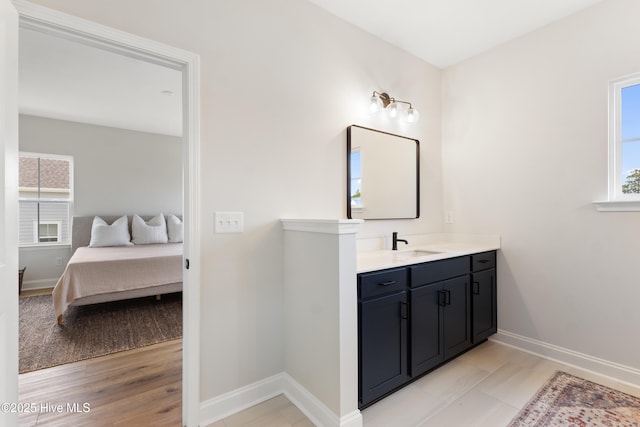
(315, 410)
(238, 400)
(38, 284)
(596, 365)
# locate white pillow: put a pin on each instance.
(116, 234)
(175, 228)
(152, 231)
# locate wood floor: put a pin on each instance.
(485, 387)
(141, 387)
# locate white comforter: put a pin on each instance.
(92, 271)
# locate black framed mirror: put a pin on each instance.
(383, 175)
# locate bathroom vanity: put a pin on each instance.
(421, 310)
(353, 309)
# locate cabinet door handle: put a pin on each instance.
(483, 261)
(476, 288)
(403, 310)
(389, 283)
(448, 297)
(442, 298)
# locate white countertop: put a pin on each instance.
(372, 255)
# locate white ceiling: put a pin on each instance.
(67, 80)
(445, 32)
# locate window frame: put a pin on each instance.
(617, 201)
(615, 137)
(68, 201)
(58, 235)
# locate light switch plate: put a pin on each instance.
(229, 222)
(448, 217)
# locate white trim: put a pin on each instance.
(583, 361)
(618, 205)
(72, 27)
(39, 284)
(8, 210)
(314, 409)
(325, 226)
(615, 142)
(245, 397)
(240, 399)
(36, 233)
(91, 33)
(50, 246)
(191, 194)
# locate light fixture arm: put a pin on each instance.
(382, 100)
(386, 99)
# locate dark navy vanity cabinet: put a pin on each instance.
(414, 318)
(483, 296)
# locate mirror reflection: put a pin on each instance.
(382, 175)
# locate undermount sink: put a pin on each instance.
(416, 253)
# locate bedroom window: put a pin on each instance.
(48, 232)
(45, 198)
(624, 138)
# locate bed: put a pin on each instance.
(101, 274)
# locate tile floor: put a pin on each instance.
(485, 387)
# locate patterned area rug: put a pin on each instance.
(93, 330)
(570, 401)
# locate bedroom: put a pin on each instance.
(534, 109)
(125, 164)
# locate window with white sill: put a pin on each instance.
(624, 144)
(45, 199)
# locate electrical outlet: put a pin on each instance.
(229, 222)
(448, 217)
(59, 261)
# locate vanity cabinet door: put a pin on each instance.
(440, 323)
(427, 347)
(382, 345)
(483, 294)
(457, 316)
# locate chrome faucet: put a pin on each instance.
(394, 247)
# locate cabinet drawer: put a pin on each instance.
(436, 271)
(382, 282)
(483, 261)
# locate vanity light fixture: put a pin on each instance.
(382, 101)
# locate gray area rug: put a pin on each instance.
(569, 401)
(94, 330)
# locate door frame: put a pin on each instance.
(91, 33)
(8, 212)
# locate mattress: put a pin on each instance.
(109, 270)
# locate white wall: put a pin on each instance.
(524, 155)
(321, 334)
(281, 81)
(116, 171)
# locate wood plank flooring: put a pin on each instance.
(485, 387)
(141, 387)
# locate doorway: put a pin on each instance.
(91, 34)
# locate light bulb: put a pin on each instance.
(375, 104)
(393, 110)
(412, 115)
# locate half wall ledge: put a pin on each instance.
(321, 318)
